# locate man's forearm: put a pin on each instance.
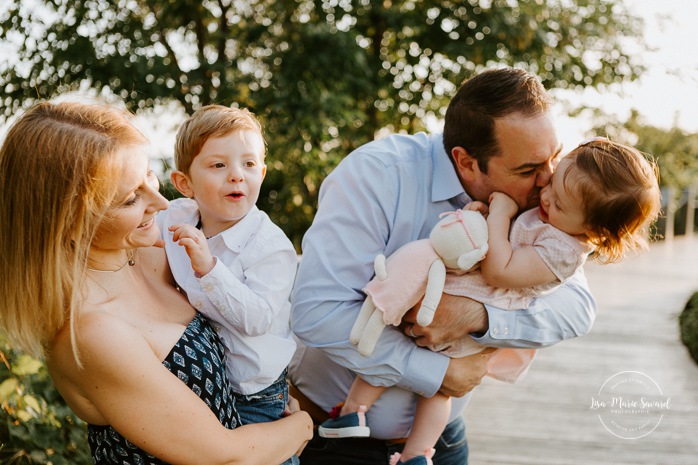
(455, 318)
(566, 313)
(396, 361)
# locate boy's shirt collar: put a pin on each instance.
(235, 238)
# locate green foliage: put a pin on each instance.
(36, 426)
(323, 75)
(688, 324)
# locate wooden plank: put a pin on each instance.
(547, 417)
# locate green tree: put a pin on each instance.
(36, 425)
(675, 150)
(676, 153)
(323, 75)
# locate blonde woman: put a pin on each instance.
(82, 286)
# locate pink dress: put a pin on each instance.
(563, 254)
(407, 269)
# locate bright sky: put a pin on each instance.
(668, 92)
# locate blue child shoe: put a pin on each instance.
(351, 425)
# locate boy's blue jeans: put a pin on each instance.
(264, 406)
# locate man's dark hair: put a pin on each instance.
(494, 93)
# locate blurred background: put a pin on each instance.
(325, 76)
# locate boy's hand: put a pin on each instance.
(194, 242)
(502, 204)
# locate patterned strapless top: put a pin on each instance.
(198, 361)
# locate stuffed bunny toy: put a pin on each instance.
(458, 243)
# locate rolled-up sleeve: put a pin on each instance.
(566, 313)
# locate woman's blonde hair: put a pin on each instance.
(619, 188)
(58, 176)
(206, 122)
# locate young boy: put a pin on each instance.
(235, 266)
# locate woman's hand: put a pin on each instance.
(294, 407)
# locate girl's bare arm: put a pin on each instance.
(503, 266)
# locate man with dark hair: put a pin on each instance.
(498, 136)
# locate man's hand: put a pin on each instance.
(464, 374)
(455, 318)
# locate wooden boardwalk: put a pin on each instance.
(547, 418)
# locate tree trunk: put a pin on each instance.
(690, 210)
(670, 213)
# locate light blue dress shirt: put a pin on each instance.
(383, 195)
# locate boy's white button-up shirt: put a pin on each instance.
(245, 295)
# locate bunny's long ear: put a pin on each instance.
(372, 332)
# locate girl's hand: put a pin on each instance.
(194, 242)
(478, 206)
(502, 204)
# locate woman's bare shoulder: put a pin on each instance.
(99, 339)
(98, 334)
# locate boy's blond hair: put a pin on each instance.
(206, 122)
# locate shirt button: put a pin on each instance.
(495, 331)
(217, 328)
(208, 287)
(506, 331)
(197, 305)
